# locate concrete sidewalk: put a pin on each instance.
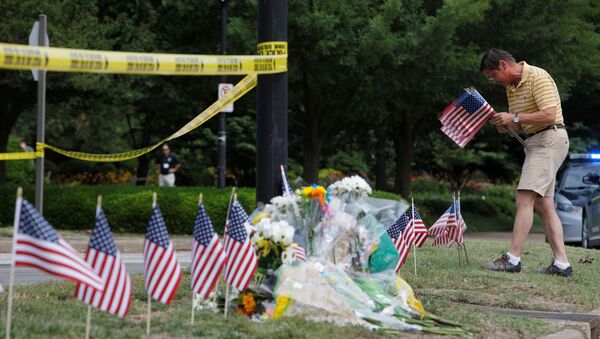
(127, 244)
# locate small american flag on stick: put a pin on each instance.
(104, 257)
(208, 255)
(241, 256)
(465, 116)
(161, 268)
(39, 246)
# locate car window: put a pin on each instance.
(573, 178)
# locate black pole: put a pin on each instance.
(272, 106)
(222, 148)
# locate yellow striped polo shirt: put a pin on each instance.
(535, 92)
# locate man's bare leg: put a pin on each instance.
(525, 201)
(552, 227)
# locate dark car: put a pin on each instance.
(572, 196)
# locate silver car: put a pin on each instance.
(590, 231)
(572, 196)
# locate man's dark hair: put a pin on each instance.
(491, 59)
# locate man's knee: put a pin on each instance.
(525, 199)
(544, 205)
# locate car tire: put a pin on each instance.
(585, 234)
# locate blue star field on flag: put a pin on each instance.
(101, 239)
(33, 224)
(157, 229)
(237, 218)
(203, 228)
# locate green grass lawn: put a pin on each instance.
(443, 287)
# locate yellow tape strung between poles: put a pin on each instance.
(235, 93)
(272, 58)
(19, 155)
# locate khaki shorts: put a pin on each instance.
(544, 154)
(166, 180)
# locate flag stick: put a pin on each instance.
(11, 283)
(465, 250)
(88, 323)
(232, 200)
(154, 199)
(464, 245)
(412, 201)
(193, 293)
(149, 314)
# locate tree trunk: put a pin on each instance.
(11, 106)
(141, 173)
(380, 162)
(403, 148)
(312, 152)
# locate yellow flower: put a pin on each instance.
(264, 245)
(282, 303)
(306, 191)
(257, 218)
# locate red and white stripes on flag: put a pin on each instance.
(39, 246)
(241, 256)
(465, 116)
(162, 272)
(403, 236)
(208, 255)
(299, 252)
(456, 234)
(439, 231)
(104, 257)
(420, 231)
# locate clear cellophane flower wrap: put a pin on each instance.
(324, 291)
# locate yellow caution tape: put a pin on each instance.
(272, 58)
(241, 88)
(18, 156)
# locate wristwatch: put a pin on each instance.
(516, 118)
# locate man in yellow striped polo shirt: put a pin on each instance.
(534, 105)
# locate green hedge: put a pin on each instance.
(127, 208)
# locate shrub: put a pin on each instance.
(127, 207)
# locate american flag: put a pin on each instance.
(421, 233)
(102, 254)
(161, 268)
(465, 116)
(38, 245)
(440, 229)
(299, 251)
(208, 255)
(456, 233)
(399, 232)
(241, 256)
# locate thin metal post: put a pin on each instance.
(41, 122)
(222, 148)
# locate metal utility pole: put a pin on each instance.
(222, 148)
(272, 106)
(41, 121)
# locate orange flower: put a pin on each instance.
(249, 304)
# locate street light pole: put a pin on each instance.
(272, 106)
(222, 148)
